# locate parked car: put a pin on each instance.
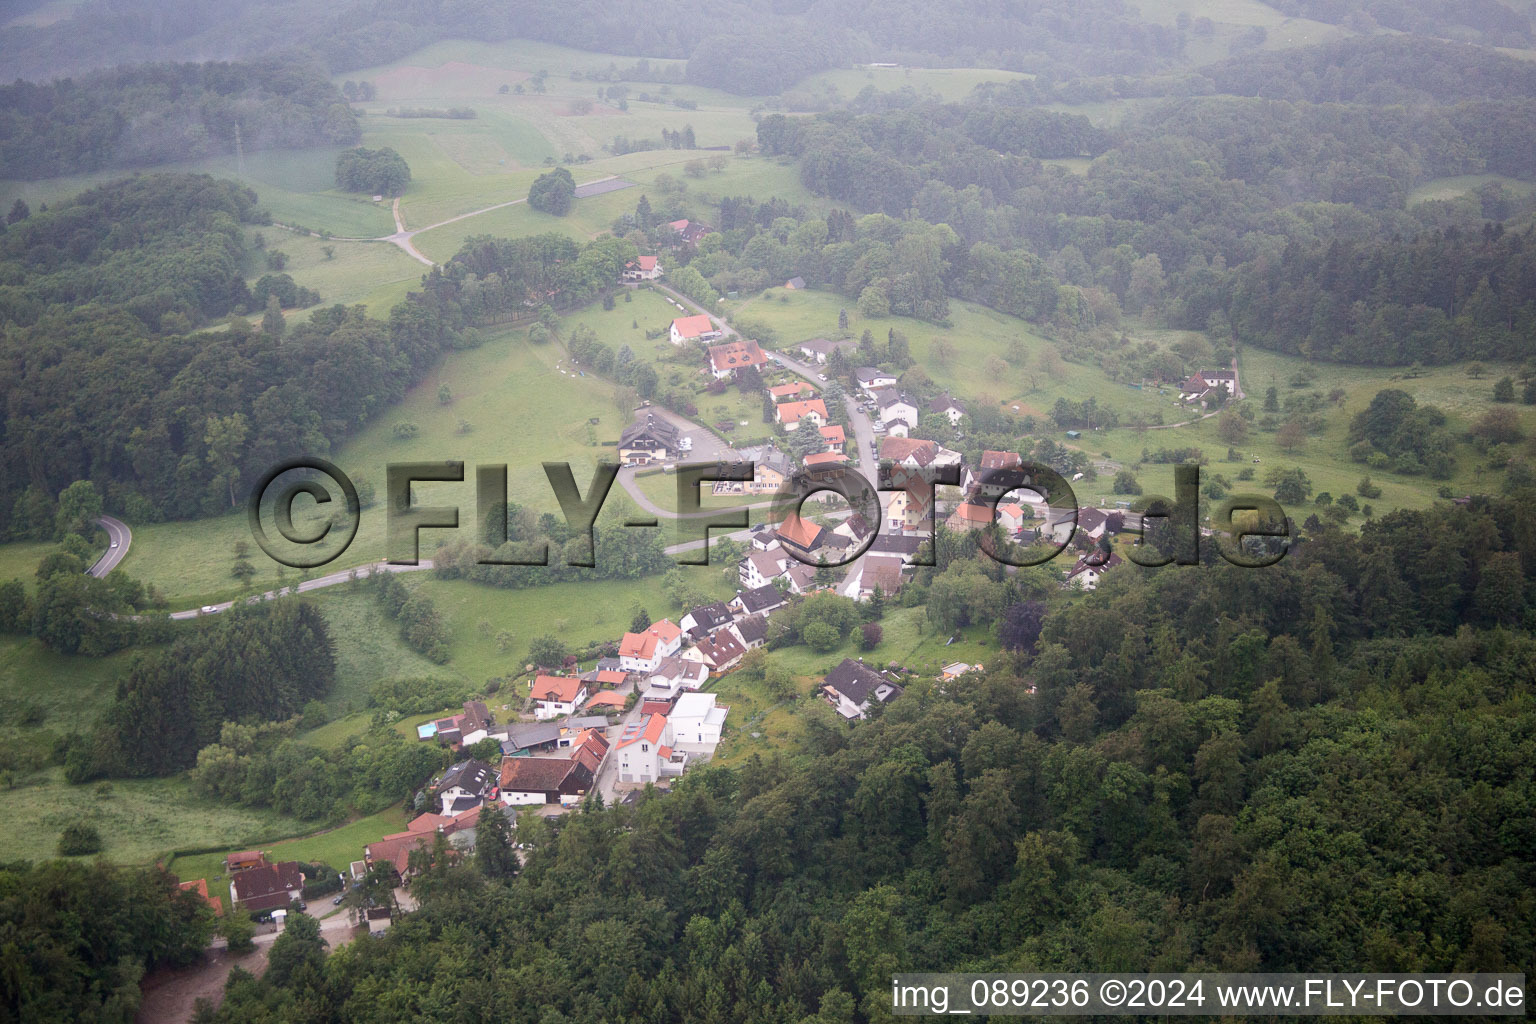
(337, 901)
(685, 444)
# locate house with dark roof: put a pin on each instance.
(544, 780)
(769, 468)
(795, 283)
(821, 349)
(701, 621)
(872, 379)
(1085, 575)
(720, 652)
(759, 568)
(758, 601)
(751, 630)
(465, 786)
(947, 407)
(853, 686)
(648, 440)
(881, 572)
(528, 739)
(673, 675)
(902, 546)
(896, 407)
(269, 887)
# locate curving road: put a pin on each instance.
(117, 547)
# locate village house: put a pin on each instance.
(701, 621)
(648, 441)
(882, 572)
(872, 379)
(554, 696)
(833, 437)
(720, 652)
(968, 516)
(465, 786)
(268, 887)
(544, 780)
(798, 534)
(759, 568)
(896, 407)
(674, 675)
(852, 687)
(725, 361)
(947, 407)
(693, 328)
(824, 459)
(794, 392)
(752, 631)
(792, 414)
(1085, 575)
(759, 600)
(770, 467)
(642, 652)
(644, 268)
(1201, 386)
(697, 720)
(645, 751)
(689, 232)
(821, 349)
(200, 886)
(915, 454)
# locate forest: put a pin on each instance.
(1316, 767)
(146, 114)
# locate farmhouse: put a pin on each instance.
(649, 440)
(1204, 384)
(693, 328)
(544, 780)
(726, 360)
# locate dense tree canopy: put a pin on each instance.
(162, 113)
(381, 171)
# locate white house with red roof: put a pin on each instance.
(644, 268)
(1199, 387)
(791, 392)
(642, 652)
(556, 696)
(833, 437)
(792, 414)
(645, 751)
(693, 328)
(726, 360)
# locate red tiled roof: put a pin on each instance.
(647, 262)
(823, 458)
(791, 412)
(556, 688)
(606, 699)
(245, 857)
(787, 390)
(637, 645)
(736, 355)
(799, 531)
(655, 707)
(833, 432)
(973, 513)
(428, 822)
(666, 630)
(1000, 460)
(200, 886)
(611, 677)
(899, 449)
(693, 326)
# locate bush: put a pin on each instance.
(79, 839)
(1366, 489)
(870, 635)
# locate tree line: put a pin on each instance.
(145, 114)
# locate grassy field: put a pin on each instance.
(1456, 187)
(354, 273)
(336, 847)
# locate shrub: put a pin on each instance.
(79, 839)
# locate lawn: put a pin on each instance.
(1456, 187)
(140, 820)
(354, 272)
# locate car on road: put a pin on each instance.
(821, 376)
(685, 444)
(209, 609)
(114, 543)
(337, 901)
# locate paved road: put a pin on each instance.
(304, 587)
(117, 547)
